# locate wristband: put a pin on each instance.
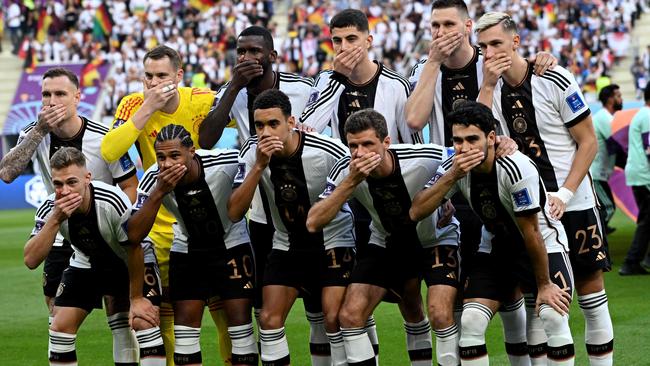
(564, 194)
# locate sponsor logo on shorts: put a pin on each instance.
(601, 256)
(522, 198)
(575, 102)
(59, 291)
(452, 275)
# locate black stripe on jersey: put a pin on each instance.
(429, 148)
(111, 195)
(314, 141)
(247, 145)
(339, 167)
(149, 180)
(578, 119)
(45, 209)
(417, 138)
(220, 162)
(321, 73)
(413, 153)
(335, 153)
(508, 170)
(330, 91)
(116, 203)
(416, 66)
(29, 127)
(395, 76)
(225, 155)
(96, 127)
(555, 81)
(512, 164)
(448, 163)
(293, 78)
(559, 76)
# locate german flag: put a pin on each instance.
(31, 61)
(202, 5)
(43, 25)
(326, 45)
(90, 74)
(103, 22)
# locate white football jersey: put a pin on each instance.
(388, 200)
(292, 186)
(201, 208)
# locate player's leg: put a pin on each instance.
(319, 347)
(477, 313)
(589, 260)
(63, 335)
(241, 332)
(114, 283)
(218, 315)
(55, 263)
(278, 300)
(416, 324)
(187, 331)
(640, 241)
(513, 317)
(162, 241)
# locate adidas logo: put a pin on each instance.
(152, 293)
(451, 275)
(248, 285)
(355, 104)
(600, 256)
(459, 86)
(518, 105)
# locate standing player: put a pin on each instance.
(603, 166)
(384, 178)
(509, 196)
(210, 255)
(291, 166)
(549, 119)
(252, 75)
(91, 216)
(138, 119)
(58, 126)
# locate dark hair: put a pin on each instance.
(473, 113)
(256, 30)
(160, 52)
(366, 119)
(67, 156)
(607, 92)
(60, 71)
(350, 18)
(173, 132)
(646, 93)
(458, 4)
(273, 98)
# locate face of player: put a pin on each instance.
(495, 40)
(366, 142)
(449, 20)
(350, 37)
(60, 90)
(160, 71)
(71, 179)
(252, 48)
(618, 100)
(466, 138)
(272, 122)
(171, 152)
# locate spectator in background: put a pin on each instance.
(639, 73)
(13, 23)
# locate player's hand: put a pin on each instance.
(158, 96)
(244, 72)
(505, 146)
(267, 146)
(303, 127)
(49, 117)
(169, 177)
(142, 310)
(441, 47)
(445, 214)
(465, 162)
(362, 166)
(543, 61)
(553, 296)
(65, 206)
(346, 61)
(557, 202)
(495, 67)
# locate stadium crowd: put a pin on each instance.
(577, 32)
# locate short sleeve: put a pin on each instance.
(572, 105)
(42, 215)
(246, 161)
(337, 174)
(523, 183)
(146, 186)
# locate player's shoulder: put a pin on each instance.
(218, 157)
(516, 167)
(29, 127)
(295, 80)
(149, 178)
(326, 144)
(95, 127)
(46, 207)
(393, 77)
(110, 196)
(323, 76)
(248, 145)
(339, 167)
(128, 106)
(197, 95)
(559, 78)
(416, 70)
(419, 151)
(133, 98)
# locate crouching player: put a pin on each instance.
(210, 255)
(510, 199)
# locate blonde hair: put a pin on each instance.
(490, 19)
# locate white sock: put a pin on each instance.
(474, 322)
(50, 319)
(418, 342)
(125, 343)
(447, 346)
(187, 349)
(560, 343)
(358, 348)
(513, 317)
(62, 349)
(337, 348)
(275, 349)
(599, 333)
(152, 350)
(319, 346)
(535, 334)
(371, 330)
(244, 346)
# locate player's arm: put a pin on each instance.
(129, 186)
(19, 157)
(217, 120)
(543, 61)
(140, 306)
(323, 101)
(124, 133)
(548, 292)
(38, 246)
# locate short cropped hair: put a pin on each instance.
(256, 30)
(367, 119)
(490, 19)
(60, 71)
(350, 18)
(475, 114)
(273, 98)
(446, 4)
(160, 52)
(67, 156)
(607, 92)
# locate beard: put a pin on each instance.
(618, 106)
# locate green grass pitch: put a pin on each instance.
(23, 315)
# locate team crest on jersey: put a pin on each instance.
(125, 162)
(329, 188)
(457, 103)
(435, 178)
(575, 102)
(522, 198)
(312, 98)
(489, 211)
(38, 226)
(241, 172)
(140, 201)
(519, 125)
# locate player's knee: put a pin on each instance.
(553, 321)
(270, 320)
(440, 316)
(331, 319)
(474, 322)
(348, 318)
